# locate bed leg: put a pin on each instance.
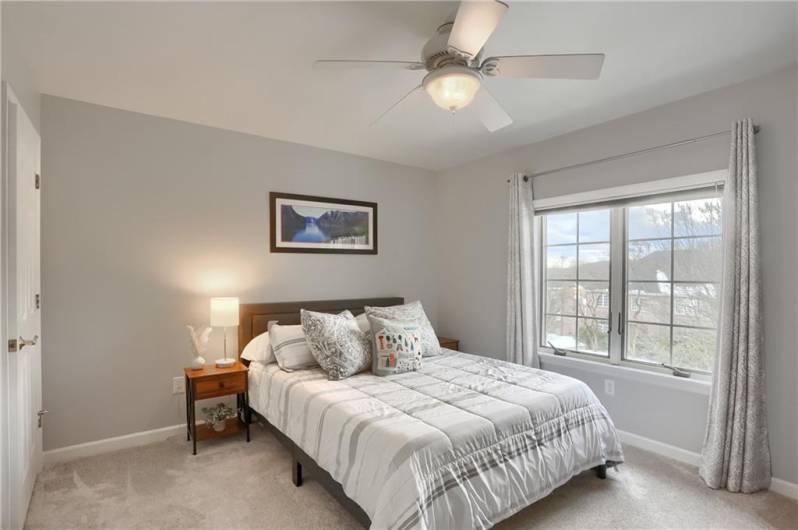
(601, 471)
(296, 472)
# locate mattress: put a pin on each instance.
(463, 443)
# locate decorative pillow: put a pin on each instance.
(337, 343)
(259, 349)
(290, 347)
(397, 345)
(415, 312)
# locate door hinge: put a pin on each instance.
(38, 301)
(38, 181)
(12, 345)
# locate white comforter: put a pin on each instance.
(463, 443)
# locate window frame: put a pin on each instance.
(617, 311)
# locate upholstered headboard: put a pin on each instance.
(254, 318)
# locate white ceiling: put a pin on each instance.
(247, 66)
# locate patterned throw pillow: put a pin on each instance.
(337, 343)
(397, 345)
(415, 312)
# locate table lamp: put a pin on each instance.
(224, 314)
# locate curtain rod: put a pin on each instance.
(633, 153)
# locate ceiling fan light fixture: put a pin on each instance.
(452, 87)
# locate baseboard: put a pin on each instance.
(660, 448)
(72, 452)
(788, 489)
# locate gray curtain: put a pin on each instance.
(521, 271)
(736, 455)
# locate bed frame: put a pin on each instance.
(253, 320)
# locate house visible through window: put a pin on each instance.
(638, 283)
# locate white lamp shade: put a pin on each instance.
(224, 312)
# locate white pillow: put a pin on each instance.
(290, 347)
(363, 322)
(259, 349)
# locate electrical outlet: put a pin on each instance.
(609, 387)
(178, 385)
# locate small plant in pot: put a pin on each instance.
(217, 416)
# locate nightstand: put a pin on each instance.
(451, 344)
(213, 382)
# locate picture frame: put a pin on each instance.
(307, 224)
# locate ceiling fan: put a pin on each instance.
(456, 70)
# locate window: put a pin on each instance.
(652, 268)
(578, 281)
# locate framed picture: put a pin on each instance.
(307, 224)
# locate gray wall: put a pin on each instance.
(472, 237)
(145, 218)
(17, 73)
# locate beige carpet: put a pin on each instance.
(232, 484)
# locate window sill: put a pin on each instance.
(697, 386)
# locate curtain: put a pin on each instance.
(521, 271)
(735, 455)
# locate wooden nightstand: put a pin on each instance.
(213, 382)
(452, 344)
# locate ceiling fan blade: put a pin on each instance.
(474, 24)
(569, 66)
(381, 116)
(489, 112)
(349, 64)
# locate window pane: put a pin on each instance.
(594, 299)
(647, 342)
(594, 226)
(700, 217)
(561, 228)
(649, 260)
(697, 260)
(696, 304)
(650, 221)
(594, 261)
(694, 348)
(649, 302)
(593, 337)
(561, 297)
(561, 332)
(561, 263)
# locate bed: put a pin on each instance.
(463, 443)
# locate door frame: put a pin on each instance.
(5, 463)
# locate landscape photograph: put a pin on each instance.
(303, 224)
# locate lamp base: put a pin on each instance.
(225, 363)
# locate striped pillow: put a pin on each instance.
(290, 347)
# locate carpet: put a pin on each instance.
(232, 484)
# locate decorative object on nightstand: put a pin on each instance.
(199, 345)
(224, 314)
(214, 382)
(449, 344)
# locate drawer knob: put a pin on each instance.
(221, 384)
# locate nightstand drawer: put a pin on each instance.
(220, 386)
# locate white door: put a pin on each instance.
(22, 307)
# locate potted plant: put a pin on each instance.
(217, 416)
